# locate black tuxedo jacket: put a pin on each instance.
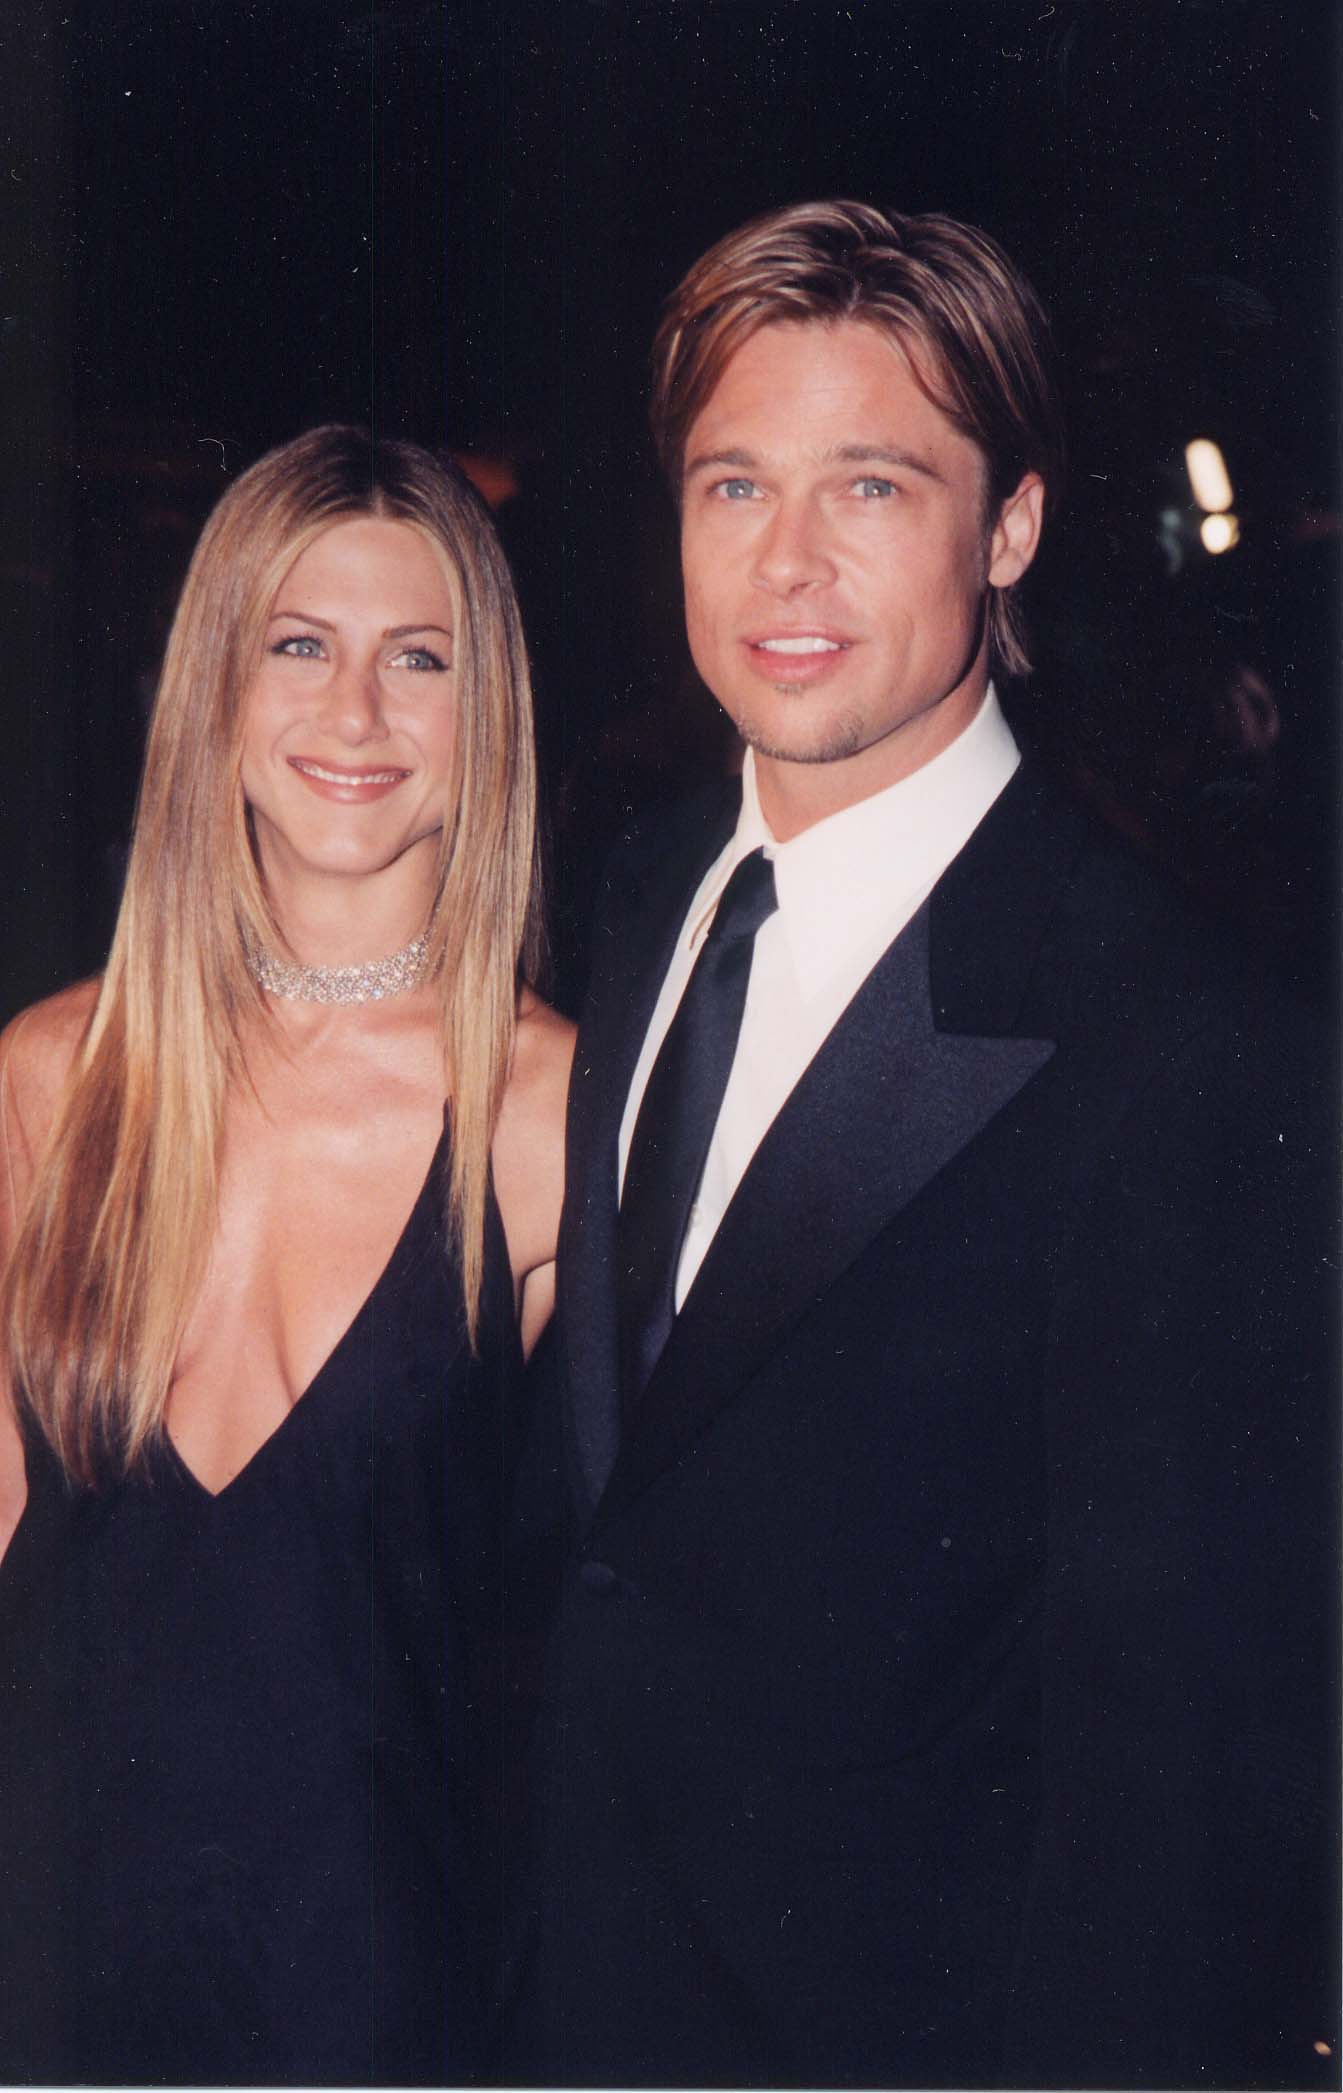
(939, 1690)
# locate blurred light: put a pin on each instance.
(1219, 533)
(1208, 476)
(1172, 530)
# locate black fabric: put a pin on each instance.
(943, 1683)
(677, 1116)
(249, 1743)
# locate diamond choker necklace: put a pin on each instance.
(368, 983)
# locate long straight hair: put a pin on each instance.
(118, 1225)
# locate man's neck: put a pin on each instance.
(795, 796)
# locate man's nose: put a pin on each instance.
(792, 552)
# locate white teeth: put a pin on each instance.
(347, 777)
(804, 643)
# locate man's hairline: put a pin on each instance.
(895, 340)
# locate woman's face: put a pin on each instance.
(349, 722)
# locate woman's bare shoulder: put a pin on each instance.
(54, 1026)
(36, 1053)
(529, 1139)
(543, 1055)
(531, 1124)
(529, 1155)
(37, 1049)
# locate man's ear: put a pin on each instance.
(1016, 533)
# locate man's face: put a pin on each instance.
(837, 556)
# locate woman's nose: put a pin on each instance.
(353, 708)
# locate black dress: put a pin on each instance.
(249, 1742)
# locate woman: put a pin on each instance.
(258, 1433)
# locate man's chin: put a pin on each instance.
(822, 741)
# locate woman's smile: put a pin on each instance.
(332, 781)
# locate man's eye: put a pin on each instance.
(420, 658)
(735, 490)
(300, 646)
(873, 489)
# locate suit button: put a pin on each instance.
(599, 1577)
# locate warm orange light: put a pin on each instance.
(1208, 476)
(492, 476)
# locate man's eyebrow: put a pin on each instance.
(883, 454)
(842, 454)
(745, 461)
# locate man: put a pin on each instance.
(939, 1681)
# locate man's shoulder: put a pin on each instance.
(1116, 941)
(658, 860)
(1175, 989)
(1113, 903)
(1130, 920)
(694, 825)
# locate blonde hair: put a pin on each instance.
(118, 1224)
(969, 324)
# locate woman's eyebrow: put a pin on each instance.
(303, 617)
(389, 632)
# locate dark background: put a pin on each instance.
(223, 223)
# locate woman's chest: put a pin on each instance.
(312, 1204)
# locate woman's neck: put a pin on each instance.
(328, 921)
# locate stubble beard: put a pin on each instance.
(831, 740)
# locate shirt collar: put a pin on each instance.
(844, 882)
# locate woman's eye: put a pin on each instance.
(421, 658)
(872, 489)
(299, 646)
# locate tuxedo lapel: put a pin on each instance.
(886, 1104)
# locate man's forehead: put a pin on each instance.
(874, 373)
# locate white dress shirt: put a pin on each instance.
(846, 887)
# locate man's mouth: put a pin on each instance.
(797, 660)
(797, 643)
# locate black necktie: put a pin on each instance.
(677, 1117)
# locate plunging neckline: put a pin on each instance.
(285, 1425)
